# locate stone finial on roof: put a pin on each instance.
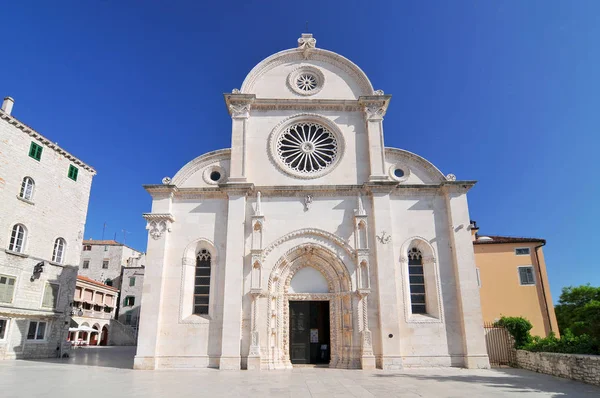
(306, 42)
(257, 211)
(361, 209)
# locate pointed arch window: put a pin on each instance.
(202, 282)
(58, 254)
(18, 237)
(416, 278)
(27, 186)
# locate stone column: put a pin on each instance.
(467, 290)
(387, 277)
(367, 359)
(254, 355)
(375, 108)
(234, 265)
(239, 109)
(151, 310)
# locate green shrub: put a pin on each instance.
(567, 344)
(518, 327)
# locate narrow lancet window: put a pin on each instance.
(416, 281)
(202, 282)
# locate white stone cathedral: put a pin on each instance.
(308, 241)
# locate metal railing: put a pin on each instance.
(500, 345)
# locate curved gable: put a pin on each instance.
(196, 172)
(421, 171)
(342, 78)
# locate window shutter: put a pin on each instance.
(7, 288)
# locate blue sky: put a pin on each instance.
(503, 92)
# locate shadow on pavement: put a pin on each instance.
(512, 381)
(108, 357)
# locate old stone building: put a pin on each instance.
(94, 306)
(102, 260)
(309, 241)
(130, 298)
(44, 192)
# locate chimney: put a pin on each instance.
(7, 105)
(474, 229)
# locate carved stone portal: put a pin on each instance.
(344, 338)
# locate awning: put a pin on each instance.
(83, 329)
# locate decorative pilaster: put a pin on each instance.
(239, 106)
(375, 107)
(367, 358)
(258, 221)
(158, 226)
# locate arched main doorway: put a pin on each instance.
(285, 303)
(94, 335)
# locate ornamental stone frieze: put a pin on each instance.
(158, 224)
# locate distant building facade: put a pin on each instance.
(513, 280)
(114, 264)
(131, 295)
(44, 194)
(102, 260)
(94, 305)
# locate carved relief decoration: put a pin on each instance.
(158, 223)
(327, 237)
(345, 353)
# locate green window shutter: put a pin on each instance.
(73, 171)
(132, 281)
(35, 151)
(50, 295)
(7, 288)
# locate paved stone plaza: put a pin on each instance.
(103, 372)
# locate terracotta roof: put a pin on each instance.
(102, 242)
(506, 239)
(93, 282)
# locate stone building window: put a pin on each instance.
(86, 264)
(37, 330)
(129, 301)
(132, 281)
(416, 281)
(18, 237)
(7, 288)
(58, 255)
(522, 251)
(526, 275)
(27, 188)
(87, 248)
(73, 172)
(35, 151)
(105, 264)
(50, 295)
(202, 282)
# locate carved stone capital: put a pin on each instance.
(375, 106)
(239, 104)
(158, 223)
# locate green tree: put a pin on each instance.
(578, 310)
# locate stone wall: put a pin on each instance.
(584, 368)
(121, 334)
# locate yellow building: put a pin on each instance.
(513, 280)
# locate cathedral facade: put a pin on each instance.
(309, 241)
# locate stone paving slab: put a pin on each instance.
(106, 372)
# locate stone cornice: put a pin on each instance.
(223, 190)
(28, 130)
(159, 217)
(306, 104)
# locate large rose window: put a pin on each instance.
(307, 148)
